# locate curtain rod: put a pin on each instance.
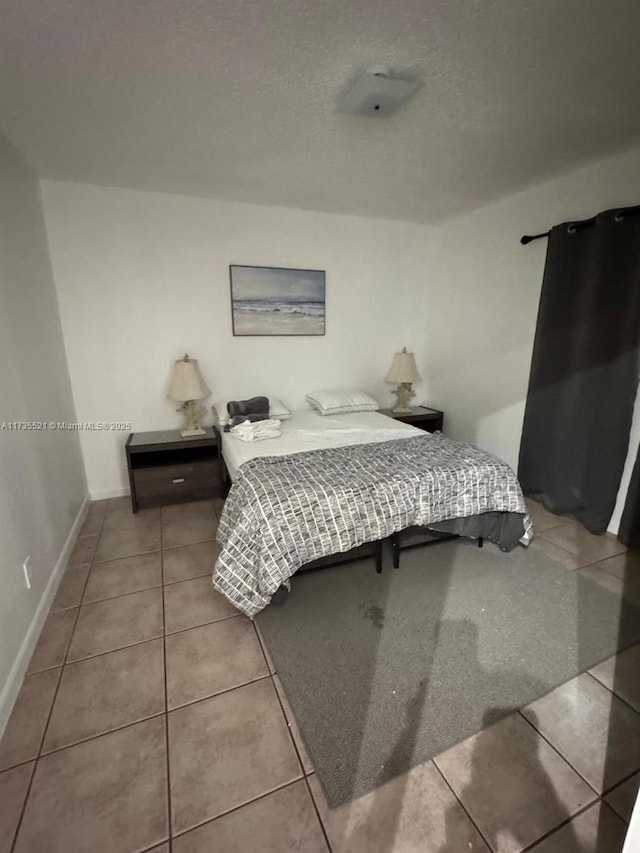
(620, 214)
(527, 238)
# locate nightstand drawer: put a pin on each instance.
(169, 483)
(168, 468)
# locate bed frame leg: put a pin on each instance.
(395, 550)
(379, 557)
(480, 542)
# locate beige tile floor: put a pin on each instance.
(152, 719)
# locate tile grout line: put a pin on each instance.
(599, 797)
(215, 695)
(545, 739)
(126, 556)
(143, 553)
(273, 684)
(317, 811)
(594, 563)
(102, 734)
(122, 594)
(613, 692)
(55, 694)
(618, 784)
(150, 551)
(233, 809)
(200, 624)
(16, 831)
(288, 725)
(460, 803)
(154, 847)
(133, 591)
(142, 719)
(135, 722)
(166, 693)
(305, 776)
(264, 655)
(590, 563)
(556, 750)
(136, 592)
(566, 551)
(65, 662)
(183, 580)
(111, 651)
(560, 826)
(272, 676)
(268, 675)
(138, 642)
(188, 544)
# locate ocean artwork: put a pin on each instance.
(274, 301)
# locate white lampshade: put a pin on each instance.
(403, 368)
(186, 381)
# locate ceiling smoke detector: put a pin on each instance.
(376, 92)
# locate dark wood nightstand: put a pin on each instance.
(429, 420)
(165, 468)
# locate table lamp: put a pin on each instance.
(403, 371)
(188, 387)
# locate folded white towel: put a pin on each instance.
(256, 431)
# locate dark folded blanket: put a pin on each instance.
(255, 409)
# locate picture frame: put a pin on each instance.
(277, 301)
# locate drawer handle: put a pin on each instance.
(178, 480)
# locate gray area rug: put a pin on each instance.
(386, 671)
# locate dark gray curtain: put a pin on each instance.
(584, 369)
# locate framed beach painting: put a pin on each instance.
(277, 301)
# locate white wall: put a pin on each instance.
(142, 277)
(484, 288)
(42, 484)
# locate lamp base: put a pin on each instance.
(404, 392)
(185, 433)
(192, 412)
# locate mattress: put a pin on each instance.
(307, 430)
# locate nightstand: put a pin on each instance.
(429, 420)
(165, 468)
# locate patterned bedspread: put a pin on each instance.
(285, 511)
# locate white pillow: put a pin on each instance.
(341, 401)
(277, 409)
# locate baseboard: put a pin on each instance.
(109, 493)
(12, 686)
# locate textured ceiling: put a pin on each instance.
(236, 99)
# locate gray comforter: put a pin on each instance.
(285, 511)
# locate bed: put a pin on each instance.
(332, 484)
